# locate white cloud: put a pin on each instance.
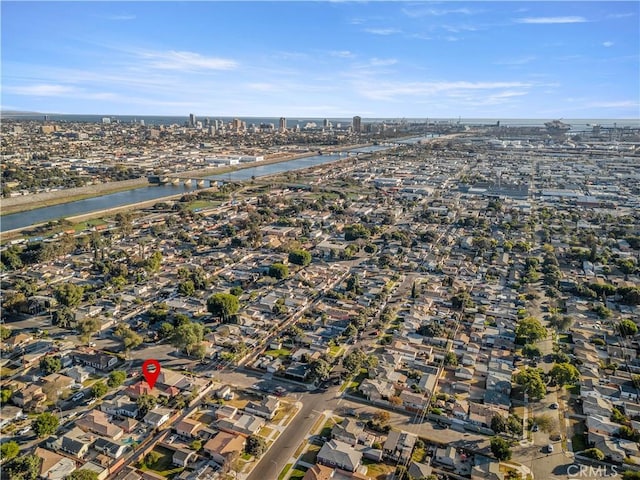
(341, 54)
(516, 61)
(388, 90)
(181, 60)
(41, 90)
(551, 20)
(382, 31)
(607, 44)
(382, 62)
(261, 87)
(120, 18)
(435, 12)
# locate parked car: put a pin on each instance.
(535, 428)
(549, 448)
(554, 406)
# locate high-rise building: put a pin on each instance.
(326, 124)
(283, 124)
(356, 124)
(192, 120)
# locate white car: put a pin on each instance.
(25, 430)
(549, 448)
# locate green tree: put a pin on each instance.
(129, 338)
(300, 257)
(319, 370)
(69, 294)
(87, 327)
(24, 467)
(498, 424)
(531, 351)
(223, 305)
(50, 364)
(354, 361)
(9, 450)
(187, 336)
(4, 332)
(116, 378)
(451, 358)
(531, 330)
(236, 291)
(630, 475)
(255, 445)
(5, 395)
(627, 328)
(564, 374)
(356, 231)
(594, 453)
(99, 389)
(531, 381)
(154, 262)
(278, 271)
(196, 445)
(514, 425)
(82, 475)
(166, 330)
(45, 424)
(500, 449)
(146, 403)
(187, 288)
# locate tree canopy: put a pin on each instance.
(300, 257)
(627, 328)
(531, 380)
(500, 448)
(50, 364)
(9, 450)
(69, 294)
(564, 374)
(531, 330)
(278, 271)
(45, 424)
(223, 305)
(187, 336)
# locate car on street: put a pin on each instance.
(554, 406)
(549, 448)
(535, 428)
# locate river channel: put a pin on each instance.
(45, 214)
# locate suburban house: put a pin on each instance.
(54, 466)
(224, 444)
(157, 417)
(97, 422)
(335, 453)
(265, 408)
(188, 427)
(399, 445)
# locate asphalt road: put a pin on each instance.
(286, 444)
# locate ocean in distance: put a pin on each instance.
(576, 124)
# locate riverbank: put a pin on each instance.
(26, 203)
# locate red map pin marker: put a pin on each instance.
(151, 374)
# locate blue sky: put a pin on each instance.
(324, 59)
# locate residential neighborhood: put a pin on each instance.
(453, 306)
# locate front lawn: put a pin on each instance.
(282, 352)
(311, 454)
(164, 465)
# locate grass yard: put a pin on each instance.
(328, 426)
(300, 448)
(335, 351)
(311, 455)
(79, 227)
(418, 454)
(298, 473)
(282, 352)
(265, 432)
(377, 471)
(164, 465)
(285, 470)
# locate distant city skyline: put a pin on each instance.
(323, 59)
